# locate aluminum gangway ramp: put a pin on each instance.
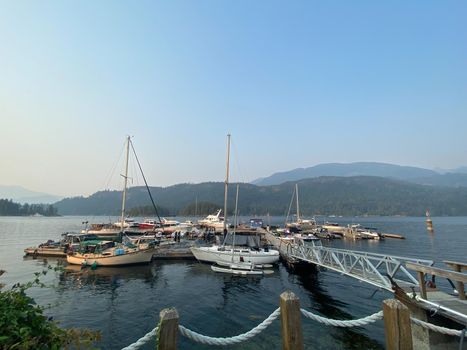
(375, 269)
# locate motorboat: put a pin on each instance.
(213, 221)
(68, 242)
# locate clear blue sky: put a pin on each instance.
(296, 83)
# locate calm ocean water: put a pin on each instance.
(124, 303)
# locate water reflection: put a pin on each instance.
(324, 304)
(76, 276)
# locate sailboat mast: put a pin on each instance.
(226, 183)
(298, 208)
(125, 181)
(235, 224)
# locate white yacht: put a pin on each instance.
(215, 221)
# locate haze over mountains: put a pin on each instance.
(451, 178)
(22, 195)
(363, 188)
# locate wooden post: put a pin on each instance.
(459, 285)
(292, 338)
(168, 330)
(421, 282)
(397, 327)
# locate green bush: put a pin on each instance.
(23, 324)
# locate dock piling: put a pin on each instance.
(397, 325)
(291, 324)
(168, 330)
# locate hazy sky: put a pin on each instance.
(296, 83)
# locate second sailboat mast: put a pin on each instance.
(125, 177)
(226, 183)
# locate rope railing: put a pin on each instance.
(223, 341)
(141, 341)
(343, 323)
(203, 339)
(439, 329)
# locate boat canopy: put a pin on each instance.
(242, 240)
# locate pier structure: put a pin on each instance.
(375, 269)
(398, 328)
(392, 273)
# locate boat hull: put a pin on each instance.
(131, 258)
(40, 251)
(216, 254)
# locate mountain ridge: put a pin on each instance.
(326, 195)
(23, 195)
(407, 173)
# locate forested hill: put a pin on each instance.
(359, 195)
(10, 208)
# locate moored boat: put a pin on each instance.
(110, 253)
(68, 242)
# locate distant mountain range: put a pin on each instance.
(22, 195)
(326, 195)
(405, 173)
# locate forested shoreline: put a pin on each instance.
(10, 208)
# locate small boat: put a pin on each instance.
(69, 241)
(244, 270)
(148, 224)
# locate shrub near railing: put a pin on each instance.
(23, 324)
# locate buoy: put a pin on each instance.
(429, 222)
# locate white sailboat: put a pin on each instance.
(300, 224)
(242, 267)
(109, 253)
(247, 245)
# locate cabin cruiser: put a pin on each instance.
(213, 221)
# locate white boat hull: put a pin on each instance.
(236, 271)
(216, 254)
(130, 258)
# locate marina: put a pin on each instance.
(80, 289)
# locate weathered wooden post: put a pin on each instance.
(459, 284)
(397, 325)
(168, 330)
(292, 337)
(421, 282)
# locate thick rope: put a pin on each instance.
(140, 342)
(438, 329)
(203, 339)
(344, 323)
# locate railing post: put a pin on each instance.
(459, 285)
(168, 330)
(421, 282)
(292, 338)
(397, 325)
